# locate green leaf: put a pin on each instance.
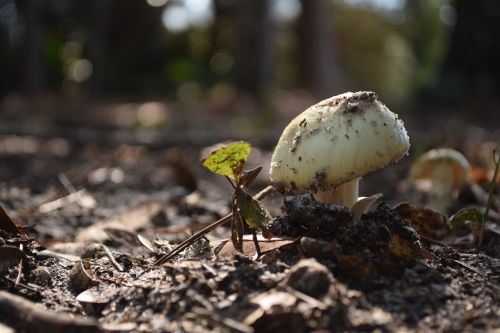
(252, 211)
(467, 215)
(228, 160)
(248, 176)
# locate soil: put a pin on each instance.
(332, 274)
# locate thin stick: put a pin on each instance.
(19, 269)
(113, 261)
(19, 273)
(262, 194)
(256, 243)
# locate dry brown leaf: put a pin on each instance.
(226, 249)
(6, 223)
(425, 221)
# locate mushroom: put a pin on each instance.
(328, 147)
(441, 172)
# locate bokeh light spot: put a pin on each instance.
(156, 3)
(175, 18)
(80, 70)
(221, 63)
(448, 15)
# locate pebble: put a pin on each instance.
(310, 277)
(41, 275)
(92, 251)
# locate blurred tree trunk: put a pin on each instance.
(254, 60)
(318, 68)
(32, 67)
(97, 43)
(215, 28)
(472, 65)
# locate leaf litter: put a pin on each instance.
(321, 271)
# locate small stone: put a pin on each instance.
(310, 277)
(41, 275)
(315, 248)
(94, 251)
(270, 257)
(79, 277)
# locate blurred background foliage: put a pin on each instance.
(218, 51)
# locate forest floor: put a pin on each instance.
(85, 261)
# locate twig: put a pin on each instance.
(306, 298)
(256, 243)
(113, 261)
(19, 272)
(30, 287)
(33, 318)
(66, 183)
(19, 269)
(468, 267)
(262, 194)
(61, 202)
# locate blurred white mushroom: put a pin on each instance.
(441, 173)
(333, 143)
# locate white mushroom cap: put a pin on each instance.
(444, 165)
(441, 172)
(336, 141)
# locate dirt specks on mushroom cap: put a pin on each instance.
(338, 135)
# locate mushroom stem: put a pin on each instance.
(441, 193)
(345, 194)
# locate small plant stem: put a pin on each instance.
(231, 182)
(262, 194)
(496, 161)
(256, 243)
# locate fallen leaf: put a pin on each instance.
(147, 244)
(6, 223)
(226, 249)
(425, 221)
(465, 215)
